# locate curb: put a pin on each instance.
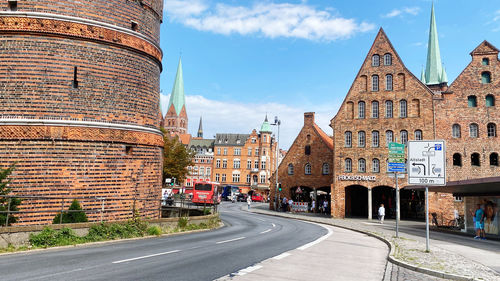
(390, 259)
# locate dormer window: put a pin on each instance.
(486, 61)
(375, 60)
(238, 141)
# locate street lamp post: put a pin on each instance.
(277, 122)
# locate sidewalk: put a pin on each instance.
(446, 259)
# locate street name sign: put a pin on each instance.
(426, 163)
(396, 157)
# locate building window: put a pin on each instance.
(388, 82)
(217, 163)
(348, 139)
(208, 171)
(388, 109)
(12, 5)
(375, 139)
(361, 139)
(403, 109)
(474, 159)
(457, 160)
(404, 136)
(494, 159)
(237, 151)
(290, 169)
(374, 109)
(248, 178)
(224, 164)
(254, 140)
(249, 164)
(486, 61)
(361, 165)
(262, 178)
(249, 151)
(490, 100)
(256, 164)
(264, 152)
(223, 177)
(263, 165)
(217, 177)
(458, 198)
(455, 131)
(307, 150)
(202, 171)
(265, 138)
(474, 130)
(225, 151)
(218, 151)
(389, 137)
(307, 169)
(236, 164)
(256, 151)
(376, 165)
(348, 165)
(326, 169)
(361, 110)
(387, 59)
(492, 130)
(374, 83)
(472, 101)
(375, 60)
(236, 177)
(418, 135)
(486, 77)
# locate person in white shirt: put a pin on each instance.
(381, 213)
(249, 201)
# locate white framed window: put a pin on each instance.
(492, 130)
(387, 59)
(362, 165)
(348, 165)
(223, 177)
(262, 178)
(389, 137)
(217, 177)
(256, 164)
(375, 60)
(374, 109)
(225, 151)
(361, 109)
(455, 131)
(376, 165)
(361, 139)
(375, 139)
(404, 136)
(474, 130)
(249, 164)
(218, 151)
(237, 151)
(388, 109)
(307, 169)
(388, 82)
(256, 151)
(224, 164)
(374, 83)
(249, 151)
(217, 163)
(325, 169)
(348, 139)
(403, 109)
(248, 178)
(290, 169)
(236, 177)
(263, 165)
(236, 164)
(418, 135)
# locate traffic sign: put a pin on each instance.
(396, 157)
(426, 163)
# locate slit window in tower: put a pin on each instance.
(13, 5)
(75, 78)
(133, 25)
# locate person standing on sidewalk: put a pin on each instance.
(479, 223)
(249, 201)
(381, 213)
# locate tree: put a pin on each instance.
(72, 217)
(176, 158)
(5, 190)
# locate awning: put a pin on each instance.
(470, 187)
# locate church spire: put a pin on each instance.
(200, 129)
(177, 97)
(434, 71)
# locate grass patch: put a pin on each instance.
(154, 230)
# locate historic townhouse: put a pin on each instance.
(203, 160)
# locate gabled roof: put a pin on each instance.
(231, 139)
(177, 97)
(324, 137)
(484, 48)
(201, 142)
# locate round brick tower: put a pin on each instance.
(79, 103)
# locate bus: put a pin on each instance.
(206, 193)
(230, 191)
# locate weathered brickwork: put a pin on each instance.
(321, 153)
(146, 13)
(419, 117)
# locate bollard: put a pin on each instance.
(8, 213)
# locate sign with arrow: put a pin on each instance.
(426, 163)
(396, 157)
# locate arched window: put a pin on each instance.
(388, 82)
(361, 139)
(375, 83)
(404, 136)
(364, 82)
(486, 61)
(485, 77)
(457, 159)
(418, 135)
(389, 137)
(307, 150)
(361, 165)
(307, 169)
(474, 130)
(376, 165)
(374, 109)
(348, 139)
(348, 165)
(361, 109)
(375, 139)
(387, 59)
(455, 131)
(375, 60)
(350, 110)
(416, 107)
(490, 100)
(290, 169)
(388, 109)
(403, 109)
(472, 101)
(492, 130)
(326, 169)
(494, 159)
(474, 159)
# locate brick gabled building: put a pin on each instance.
(385, 103)
(307, 164)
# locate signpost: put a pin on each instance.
(426, 166)
(396, 164)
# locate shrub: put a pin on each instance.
(50, 237)
(154, 230)
(72, 217)
(206, 211)
(182, 223)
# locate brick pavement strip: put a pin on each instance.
(408, 257)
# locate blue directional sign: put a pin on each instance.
(397, 167)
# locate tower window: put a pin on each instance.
(74, 84)
(474, 159)
(361, 139)
(389, 137)
(348, 139)
(290, 169)
(375, 139)
(404, 136)
(133, 25)
(375, 60)
(486, 77)
(326, 169)
(12, 5)
(388, 109)
(486, 61)
(376, 165)
(472, 101)
(457, 160)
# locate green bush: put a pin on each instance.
(154, 230)
(72, 217)
(182, 223)
(50, 237)
(206, 211)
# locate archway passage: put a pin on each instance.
(301, 194)
(356, 201)
(384, 195)
(412, 204)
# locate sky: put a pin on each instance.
(243, 59)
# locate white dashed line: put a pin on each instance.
(273, 225)
(265, 231)
(248, 270)
(230, 240)
(149, 256)
(282, 256)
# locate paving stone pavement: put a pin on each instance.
(398, 273)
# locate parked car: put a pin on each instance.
(257, 197)
(242, 197)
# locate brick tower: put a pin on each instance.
(79, 110)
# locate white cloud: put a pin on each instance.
(497, 16)
(267, 19)
(234, 117)
(403, 11)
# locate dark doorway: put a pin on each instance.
(356, 201)
(384, 195)
(302, 195)
(412, 203)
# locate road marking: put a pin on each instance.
(265, 231)
(248, 270)
(372, 223)
(273, 225)
(148, 256)
(319, 240)
(259, 219)
(282, 256)
(230, 240)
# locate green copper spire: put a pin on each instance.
(434, 70)
(444, 77)
(422, 76)
(177, 96)
(266, 127)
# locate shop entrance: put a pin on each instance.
(412, 203)
(356, 201)
(384, 195)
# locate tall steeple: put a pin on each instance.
(266, 127)
(434, 71)
(200, 129)
(177, 97)
(176, 119)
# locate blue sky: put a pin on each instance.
(243, 59)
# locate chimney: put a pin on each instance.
(309, 118)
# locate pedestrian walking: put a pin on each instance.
(249, 201)
(285, 203)
(479, 223)
(381, 213)
(325, 206)
(313, 206)
(290, 205)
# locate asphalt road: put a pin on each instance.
(246, 240)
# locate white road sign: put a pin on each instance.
(426, 163)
